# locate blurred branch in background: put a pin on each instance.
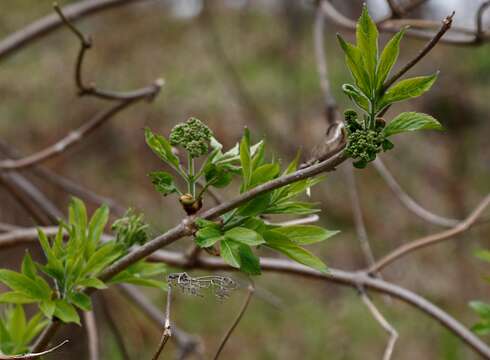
(92, 334)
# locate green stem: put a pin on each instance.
(191, 181)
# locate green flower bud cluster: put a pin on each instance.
(363, 144)
(130, 229)
(193, 136)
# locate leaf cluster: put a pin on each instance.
(372, 93)
(74, 259)
(482, 309)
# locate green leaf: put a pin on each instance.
(388, 58)
(18, 324)
(81, 301)
(161, 147)
(96, 227)
(229, 252)
(353, 59)
(244, 236)
(264, 173)
(16, 297)
(407, 89)
(356, 95)
(292, 208)
(66, 312)
(34, 327)
(217, 175)
(481, 328)
(78, 218)
(28, 267)
(305, 234)
(249, 263)
(37, 289)
(163, 182)
(367, 42)
(283, 244)
(411, 121)
(255, 206)
(208, 236)
(245, 159)
(92, 283)
(47, 307)
(481, 308)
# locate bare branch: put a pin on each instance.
(300, 221)
(384, 324)
(419, 27)
(408, 201)
(446, 25)
(69, 140)
(345, 278)
(32, 355)
(49, 23)
(92, 337)
(250, 292)
(480, 33)
(431, 239)
(322, 68)
(167, 332)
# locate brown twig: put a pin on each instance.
(345, 278)
(480, 33)
(92, 337)
(49, 23)
(32, 355)
(167, 331)
(446, 25)
(250, 292)
(419, 27)
(431, 239)
(383, 322)
(408, 201)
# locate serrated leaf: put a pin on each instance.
(37, 289)
(96, 228)
(16, 297)
(244, 236)
(411, 121)
(264, 173)
(28, 267)
(217, 175)
(34, 327)
(353, 59)
(92, 283)
(47, 307)
(255, 206)
(249, 263)
(283, 244)
(356, 96)
(66, 312)
(82, 301)
(229, 252)
(163, 182)
(208, 236)
(407, 89)
(161, 147)
(367, 42)
(388, 58)
(305, 234)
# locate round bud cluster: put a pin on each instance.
(364, 145)
(193, 136)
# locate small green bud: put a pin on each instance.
(193, 135)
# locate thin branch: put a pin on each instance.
(187, 344)
(358, 217)
(419, 27)
(446, 25)
(397, 11)
(32, 355)
(322, 67)
(92, 337)
(92, 90)
(167, 332)
(300, 221)
(69, 140)
(49, 23)
(250, 292)
(345, 278)
(431, 239)
(408, 201)
(113, 326)
(384, 324)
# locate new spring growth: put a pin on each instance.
(193, 135)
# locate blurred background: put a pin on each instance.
(236, 63)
